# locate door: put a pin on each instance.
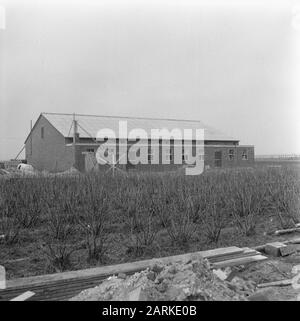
(218, 159)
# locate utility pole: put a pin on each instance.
(30, 137)
(74, 140)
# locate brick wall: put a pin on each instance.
(235, 161)
(49, 153)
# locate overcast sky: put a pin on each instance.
(232, 64)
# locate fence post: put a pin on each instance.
(2, 278)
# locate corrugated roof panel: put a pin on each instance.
(89, 125)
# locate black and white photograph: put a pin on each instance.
(149, 153)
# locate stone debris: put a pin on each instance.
(190, 280)
(122, 276)
(222, 275)
(274, 248)
(296, 269)
(261, 295)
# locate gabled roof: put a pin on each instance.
(89, 125)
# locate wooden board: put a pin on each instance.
(275, 283)
(239, 261)
(116, 269)
(62, 286)
(286, 231)
(246, 252)
(293, 241)
(24, 296)
(261, 248)
(2, 278)
(60, 290)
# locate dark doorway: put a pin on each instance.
(218, 159)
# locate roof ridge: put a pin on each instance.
(124, 117)
(215, 134)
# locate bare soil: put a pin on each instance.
(28, 259)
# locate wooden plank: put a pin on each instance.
(116, 269)
(23, 297)
(64, 293)
(220, 252)
(286, 231)
(261, 248)
(16, 260)
(239, 261)
(2, 278)
(65, 288)
(48, 291)
(67, 284)
(275, 283)
(245, 253)
(54, 294)
(293, 241)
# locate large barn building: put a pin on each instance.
(59, 141)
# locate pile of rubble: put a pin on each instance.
(190, 280)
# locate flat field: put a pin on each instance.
(52, 224)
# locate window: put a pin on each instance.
(231, 154)
(218, 158)
(185, 157)
(169, 155)
(90, 150)
(245, 155)
(184, 153)
(150, 155)
(42, 132)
